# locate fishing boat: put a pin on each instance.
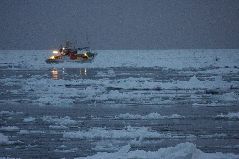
(68, 53)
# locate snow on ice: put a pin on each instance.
(29, 119)
(4, 139)
(103, 133)
(180, 151)
(9, 128)
(230, 115)
(59, 121)
(148, 116)
(50, 92)
(190, 79)
(138, 133)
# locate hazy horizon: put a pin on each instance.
(120, 25)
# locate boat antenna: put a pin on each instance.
(87, 39)
(75, 43)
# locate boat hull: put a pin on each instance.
(62, 60)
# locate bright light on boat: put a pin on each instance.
(63, 48)
(52, 57)
(55, 52)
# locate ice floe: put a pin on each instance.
(66, 150)
(231, 115)
(105, 146)
(6, 113)
(148, 116)
(10, 113)
(194, 83)
(8, 158)
(25, 132)
(221, 135)
(58, 127)
(9, 128)
(103, 133)
(66, 92)
(180, 151)
(29, 119)
(138, 133)
(4, 139)
(59, 121)
(230, 97)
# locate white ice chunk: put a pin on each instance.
(148, 116)
(29, 119)
(180, 151)
(4, 139)
(59, 121)
(128, 133)
(231, 115)
(9, 128)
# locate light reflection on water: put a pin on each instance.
(54, 74)
(83, 72)
(57, 74)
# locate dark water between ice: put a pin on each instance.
(61, 112)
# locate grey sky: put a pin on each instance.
(120, 24)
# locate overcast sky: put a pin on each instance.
(120, 24)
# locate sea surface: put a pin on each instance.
(124, 104)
